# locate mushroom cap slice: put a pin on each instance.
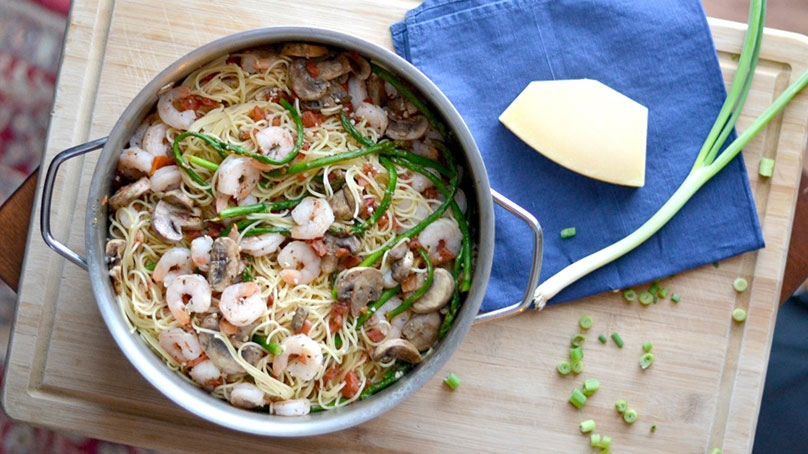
(304, 50)
(400, 269)
(343, 205)
(400, 349)
(215, 348)
(224, 263)
(439, 293)
(360, 285)
(126, 194)
(169, 219)
(422, 330)
(305, 86)
(407, 129)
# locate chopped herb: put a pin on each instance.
(646, 360)
(630, 295)
(590, 386)
(630, 415)
(564, 368)
(587, 426)
(577, 367)
(602, 338)
(647, 298)
(617, 339)
(576, 353)
(646, 347)
(585, 322)
(577, 340)
(577, 398)
(452, 381)
(766, 167)
(676, 297)
(740, 284)
(739, 315)
(569, 232)
(621, 406)
(653, 428)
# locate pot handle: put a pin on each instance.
(47, 195)
(535, 268)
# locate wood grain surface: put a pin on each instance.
(64, 371)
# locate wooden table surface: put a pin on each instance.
(64, 372)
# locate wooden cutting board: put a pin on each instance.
(64, 371)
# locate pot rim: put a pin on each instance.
(189, 396)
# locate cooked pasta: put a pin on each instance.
(287, 230)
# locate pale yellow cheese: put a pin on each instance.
(584, 126)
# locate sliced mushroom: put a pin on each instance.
(438, 294)
(335, 94)
(360, 285)
(126, 194)
(359, 66)
(333, 67)
(400, 269)
(179, 198)
(215, 348)
(337, 246)
(304, 50)
(172, 215)
(114, 251)
(252, 354)
(306, 87)
(224, 263)
(343, 205)
(422, 330)
(116, 273)
(299, 319)
(400, 349)
(407, 129)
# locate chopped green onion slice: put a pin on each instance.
(587, 426)
(595, 440)
(600, 441)
(576, 353)
(603, 339)
(577, 367)
(452, 381)
(630, 295)
(653, 428)
(617, 339)
(630, 415)
(564, 368)
(654, 288)
(647, 347)
(663, 292)
(716, 451)
(676, 297)
(585, 322)
(577, 398)
(590, 386)
(766, 167)
(740, 284)
(646, 360)
(739, 315)
(647, 298)
(569, 232)
(621, 406)
(577, 340)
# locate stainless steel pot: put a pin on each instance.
(188, 396)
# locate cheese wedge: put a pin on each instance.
(584, 126)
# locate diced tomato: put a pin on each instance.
(444, 253)
(374, 334)
(349, 261)
(338, 311)
(306, 145)
(276, 121)
(312, 68)
(352, 385)
(412, 282)
(319, 246)
(257, 114)
(306, 327)
(159, 162)
(311, 118)
(430, 193)
(369, 169)
(330, 374)
(368, 207)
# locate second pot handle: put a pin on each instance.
(535, 268)
(47, 196)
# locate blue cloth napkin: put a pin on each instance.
(483, 53)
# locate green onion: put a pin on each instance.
(151, 266)
(587, 426)
(569, 232)
(602, 338)
(564, 368)
(452, 381)
(739, 315)
(273, 348)
(766, 167)
(576, 353)
(621, 406)
(600, 441)
(716, 451)
(630, 415)
(653, 428)
(594, 440)
(647, 346)
(647, 298)
(590, 386)
(585, 322)
(577, 340)
(740, 284)
(577, 367)
(577, 398)
(617, 339)
(707, 164)
(646, 360)
(630, 295)
(676, 297)
(663, 292)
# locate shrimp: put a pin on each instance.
(200, 251)
(391, 329)
(135, 162)
(313, 216)
(206, 374)
(442, 240)
(374, 116)
(242, 304)
(154, 140)
(186, 294)
(183, 346)
(237, 177)
(174, 262)
(292, 407)
(275, 143)
(301, 265)
(258, 61)
(166, 179)
(261, 245)
(302, 357)
(247, 395)
(169, 114)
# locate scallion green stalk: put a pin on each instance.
(707, 164)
